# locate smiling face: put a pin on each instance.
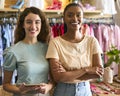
(73, 17)
(32, 25)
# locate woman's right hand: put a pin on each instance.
(23, 89)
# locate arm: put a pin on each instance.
(96, 71)
(7, 82)
(7, 86)
(61, 75)
(97, 60)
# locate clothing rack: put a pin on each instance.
(101, 20)
(7, 15)
(8, 21)
(58, 20)
(8, 18)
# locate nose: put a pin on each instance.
(75, 18)
(33, 25)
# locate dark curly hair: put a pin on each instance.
(44, 35)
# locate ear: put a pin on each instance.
(64, 19)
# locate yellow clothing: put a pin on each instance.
(65, 2)
(73, 55)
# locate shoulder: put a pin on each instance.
(43, 45)
(55, 40)
(90, 38)
(14, 49)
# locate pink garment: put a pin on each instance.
(98, 34)
(57, 29)
(111, 36)
(107, 35)
(54, 31)
(89, 30)
(117, 36)
(116, 30)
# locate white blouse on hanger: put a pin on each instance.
(107, 6)
(36, 3)
(118, 3)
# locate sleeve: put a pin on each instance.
(9, 60)
(96, 47)
(52, 51)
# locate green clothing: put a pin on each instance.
(29, 61)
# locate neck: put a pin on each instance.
(73, 36)
(30, 41)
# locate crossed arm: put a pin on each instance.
(60, 74)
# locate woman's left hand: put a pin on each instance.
(95, 70)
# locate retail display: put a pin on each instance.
(2, 3)
(36, 3)
(19, 4)
(103, 28)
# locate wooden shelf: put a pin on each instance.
(92, 12)
(85, 12)
(97, 16)
(5, 10)
(57, 13)
(48, 11)
(53, 11)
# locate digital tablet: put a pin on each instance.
(29, 85)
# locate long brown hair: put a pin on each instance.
(44, 35)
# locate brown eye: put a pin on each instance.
(38, 22)
(78, 15)
(28, 22)
(70, 15)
